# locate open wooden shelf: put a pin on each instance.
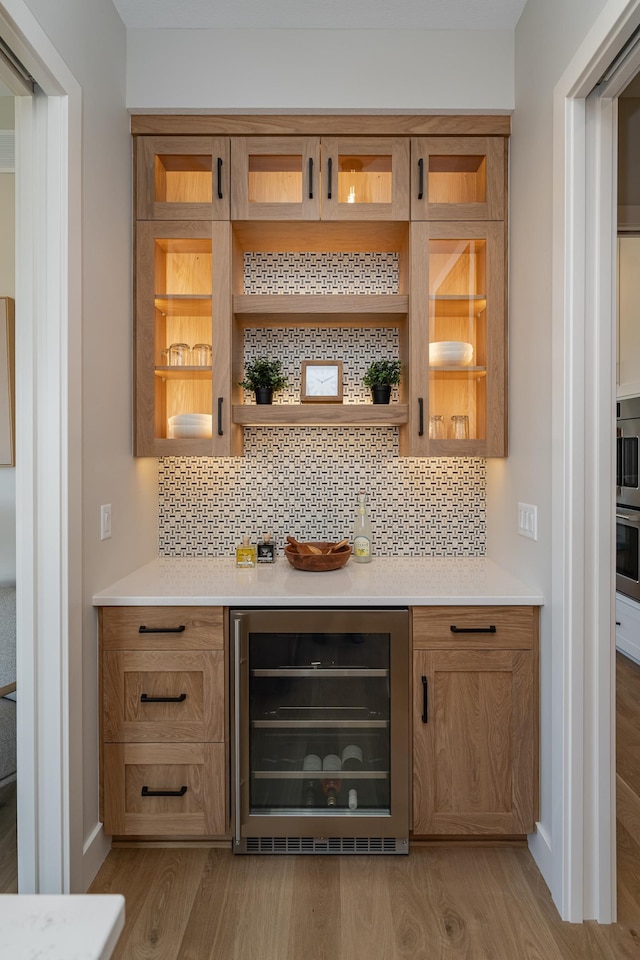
(457, 373)
(383, 310)
(183, 373)
(320, 414)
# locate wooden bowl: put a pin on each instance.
(318, 562)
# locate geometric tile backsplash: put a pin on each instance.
(304, 481)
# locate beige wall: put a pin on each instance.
(558, 29)
(90, 38)
(7, 289)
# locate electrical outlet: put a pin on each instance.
(105, 521)
(528, 520)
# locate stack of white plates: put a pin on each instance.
(190, 425)
(450, 353)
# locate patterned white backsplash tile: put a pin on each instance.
(304, 481)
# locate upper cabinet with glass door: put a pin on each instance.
(182, 178)
(183, 339)
(458, 178)
(457, 404)
(311, 178)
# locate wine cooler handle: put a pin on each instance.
(455, 629)
(145, 792)
(179, 629)
(219, 178)
(236, 744)
(425, 701)
(420, 178)
(145, 699)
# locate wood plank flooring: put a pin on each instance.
(8, 839)
(439, 903)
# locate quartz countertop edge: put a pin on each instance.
(385, 582)
(55, 926)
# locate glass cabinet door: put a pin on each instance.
(365, 178)
(181, 337)
(182, 178)
(275, 178)
(457, 178)
(459, 350)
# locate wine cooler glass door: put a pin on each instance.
(316, 719)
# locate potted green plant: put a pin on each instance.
(380, 376)
(264, 376)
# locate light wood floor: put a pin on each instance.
(439, 903)
(8, 851)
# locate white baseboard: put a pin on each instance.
(94, 853)
(540, 849)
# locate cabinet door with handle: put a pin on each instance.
(475, 723)
(457, 341)
(275, 178)
(182, 178)
(473, 742)
(458, 178)
(183, 301)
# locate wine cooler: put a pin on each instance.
(320, 730)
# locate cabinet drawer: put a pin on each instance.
(156, 696)
(515, 627)
(162, 628)
(165, 789)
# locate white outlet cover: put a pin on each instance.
(105, 521)
(528, 520)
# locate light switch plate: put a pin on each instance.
(528, 520)
(105, 521)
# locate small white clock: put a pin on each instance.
(321, 381)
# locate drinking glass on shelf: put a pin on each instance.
(179, 355)
(201, 355)
(460, 427)
(436, 427)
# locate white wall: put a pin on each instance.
(7, 289)
(557, 29)
(90, 38)
(393, 71)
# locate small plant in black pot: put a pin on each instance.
(264, 376)
(380, 376)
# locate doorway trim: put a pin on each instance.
(583, 418)
(48, 464)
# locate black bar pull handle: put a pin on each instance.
(219, 178)
(420, 178)
(425, 701)
(179, 629)
(145, 699)
(220, 430)
(145, 792)
(421, 416)
(329, 177)
(310, 178)
(455, 629)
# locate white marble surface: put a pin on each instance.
(386, 581)
(44, 927)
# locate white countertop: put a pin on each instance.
(49, 927)
(386, 581)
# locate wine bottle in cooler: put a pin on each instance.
(362, 536)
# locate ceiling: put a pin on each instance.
(323, 15)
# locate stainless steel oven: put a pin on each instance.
(320, 730)
(628, 498)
